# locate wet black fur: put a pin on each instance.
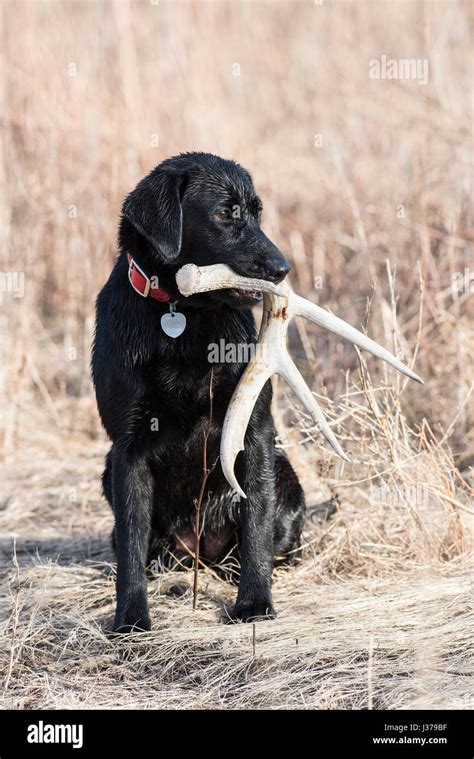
(152, 477)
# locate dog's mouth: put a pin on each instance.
(245, 295)
(238, 298)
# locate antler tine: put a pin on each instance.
(238, 416)
(321, 317)
(290, 373)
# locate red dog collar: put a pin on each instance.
(142, 284)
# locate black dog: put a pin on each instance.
(153, 390)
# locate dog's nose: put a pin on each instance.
(276, 269)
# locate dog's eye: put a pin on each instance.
(223, 215)
(257, 211)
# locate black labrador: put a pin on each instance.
(153, 390)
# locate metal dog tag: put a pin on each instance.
(174, 323)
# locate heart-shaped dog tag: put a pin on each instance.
(173, 324)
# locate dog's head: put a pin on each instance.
(199, 208)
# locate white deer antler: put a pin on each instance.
(280, 306)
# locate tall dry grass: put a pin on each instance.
(366, 188)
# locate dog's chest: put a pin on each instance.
(179, 472)
(181, 402)
(184, 386)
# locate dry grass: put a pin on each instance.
(377, 612)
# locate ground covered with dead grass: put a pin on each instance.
(376, 615)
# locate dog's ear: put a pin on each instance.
(154, 209)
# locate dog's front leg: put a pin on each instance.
(257, 514)
(132, 485)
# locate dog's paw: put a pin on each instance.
(126, 624)
(252, 611)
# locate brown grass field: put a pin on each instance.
(366, 187)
